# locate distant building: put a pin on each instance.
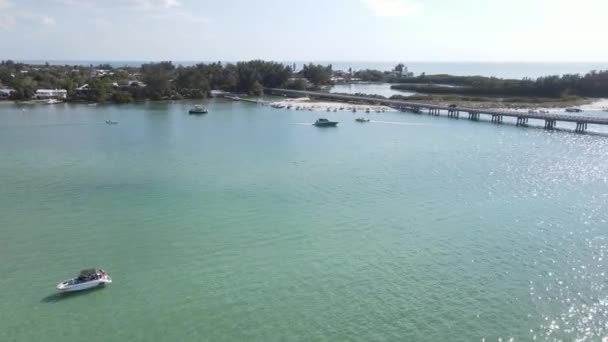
(5, 93)
(84, 87)
(218, 93)
(128, 84)
(83, 90)
(45, 94)
(101, 73)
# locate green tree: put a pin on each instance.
(399, 68)
(121, 96)
(157, 77)
(317, 74)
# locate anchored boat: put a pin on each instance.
(362, 120)
(87, 279)
(573, 110)
(198, 109)
(325, 123)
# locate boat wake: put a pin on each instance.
(400, 123)
(60, 296)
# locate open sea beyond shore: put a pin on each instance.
(250, 224)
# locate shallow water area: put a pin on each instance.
(248, 223)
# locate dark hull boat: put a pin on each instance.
(325, 123)
(197, 110)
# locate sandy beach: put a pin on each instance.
(305, 103)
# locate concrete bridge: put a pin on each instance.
(453, 112)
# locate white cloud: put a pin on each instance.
(5, 4)
(170, 10)
(182, 16)
(154, 4)
(393, 8)
(36, 18)
(130, 4)
(7, 22)
(101, 24)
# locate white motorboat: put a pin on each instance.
(53, 101)
(87, 279)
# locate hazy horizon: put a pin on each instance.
(360, 31)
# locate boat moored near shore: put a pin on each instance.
(573, 110)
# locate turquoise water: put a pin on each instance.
(251, 224)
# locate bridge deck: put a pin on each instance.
(398, 103)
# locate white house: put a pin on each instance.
(101, 73)
(127, 84)
(44, 94)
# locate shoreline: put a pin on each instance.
(308, 104)
(586, 104)
(510, 105)
(305, 103)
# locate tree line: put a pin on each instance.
(154, 81)
(592, 84)
(165, 80)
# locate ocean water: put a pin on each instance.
(516, 70)
(250, 224)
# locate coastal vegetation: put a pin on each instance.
(165, 80)
(593, 84)
(156, 81)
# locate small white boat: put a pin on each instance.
(53, 101)
(87, 279)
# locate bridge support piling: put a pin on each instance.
(581, 127)
(497, 118)
(522, 121)
(550, 123)
(453, 113)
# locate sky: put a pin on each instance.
(305, 30)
